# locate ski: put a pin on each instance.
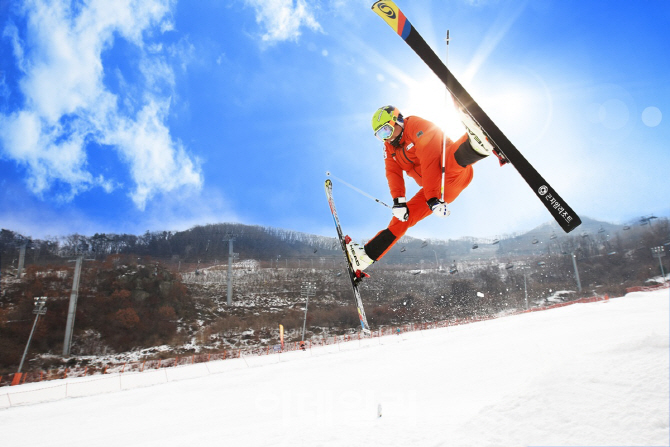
(503, 148)
(352, 276)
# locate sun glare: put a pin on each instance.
(523, 106)
(429, 99)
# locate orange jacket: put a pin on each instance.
(419, 154)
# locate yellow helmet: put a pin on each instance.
(386, 114)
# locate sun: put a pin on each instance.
(428, 98)
(523, 104)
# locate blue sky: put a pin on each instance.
(130, 116)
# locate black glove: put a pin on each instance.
(400, 210)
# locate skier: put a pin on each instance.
(414, 146)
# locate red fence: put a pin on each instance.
(61, 373)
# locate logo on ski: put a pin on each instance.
(386, 9)
(543, 190)
(353, 257)
(555, 204)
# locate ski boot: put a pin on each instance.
(478, 140)
(358, 259)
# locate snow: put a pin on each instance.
(560, 296)
(593, 374)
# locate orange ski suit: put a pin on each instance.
(419, 155)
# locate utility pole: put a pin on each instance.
(231, 257)
(306, 290)
(39, 310)
(69, 326)
(659, 252)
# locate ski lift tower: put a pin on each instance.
(22, 260)
(72, 309)
(231, 256)
(574, 265)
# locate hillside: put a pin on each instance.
(148, 296)
(208, 245)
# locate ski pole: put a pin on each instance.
(444, 134)
(357, 190)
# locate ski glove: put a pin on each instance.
(438, 207)
(400, 210)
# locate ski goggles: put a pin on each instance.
(385, 132)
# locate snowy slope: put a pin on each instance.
(588, 374)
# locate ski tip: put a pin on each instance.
(393, 16)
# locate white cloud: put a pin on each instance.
(145, 143)
(67, 105)
(4, 88)
(12, 33)
(282, 19)
(50, 152)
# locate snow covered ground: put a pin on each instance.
(592, 374)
